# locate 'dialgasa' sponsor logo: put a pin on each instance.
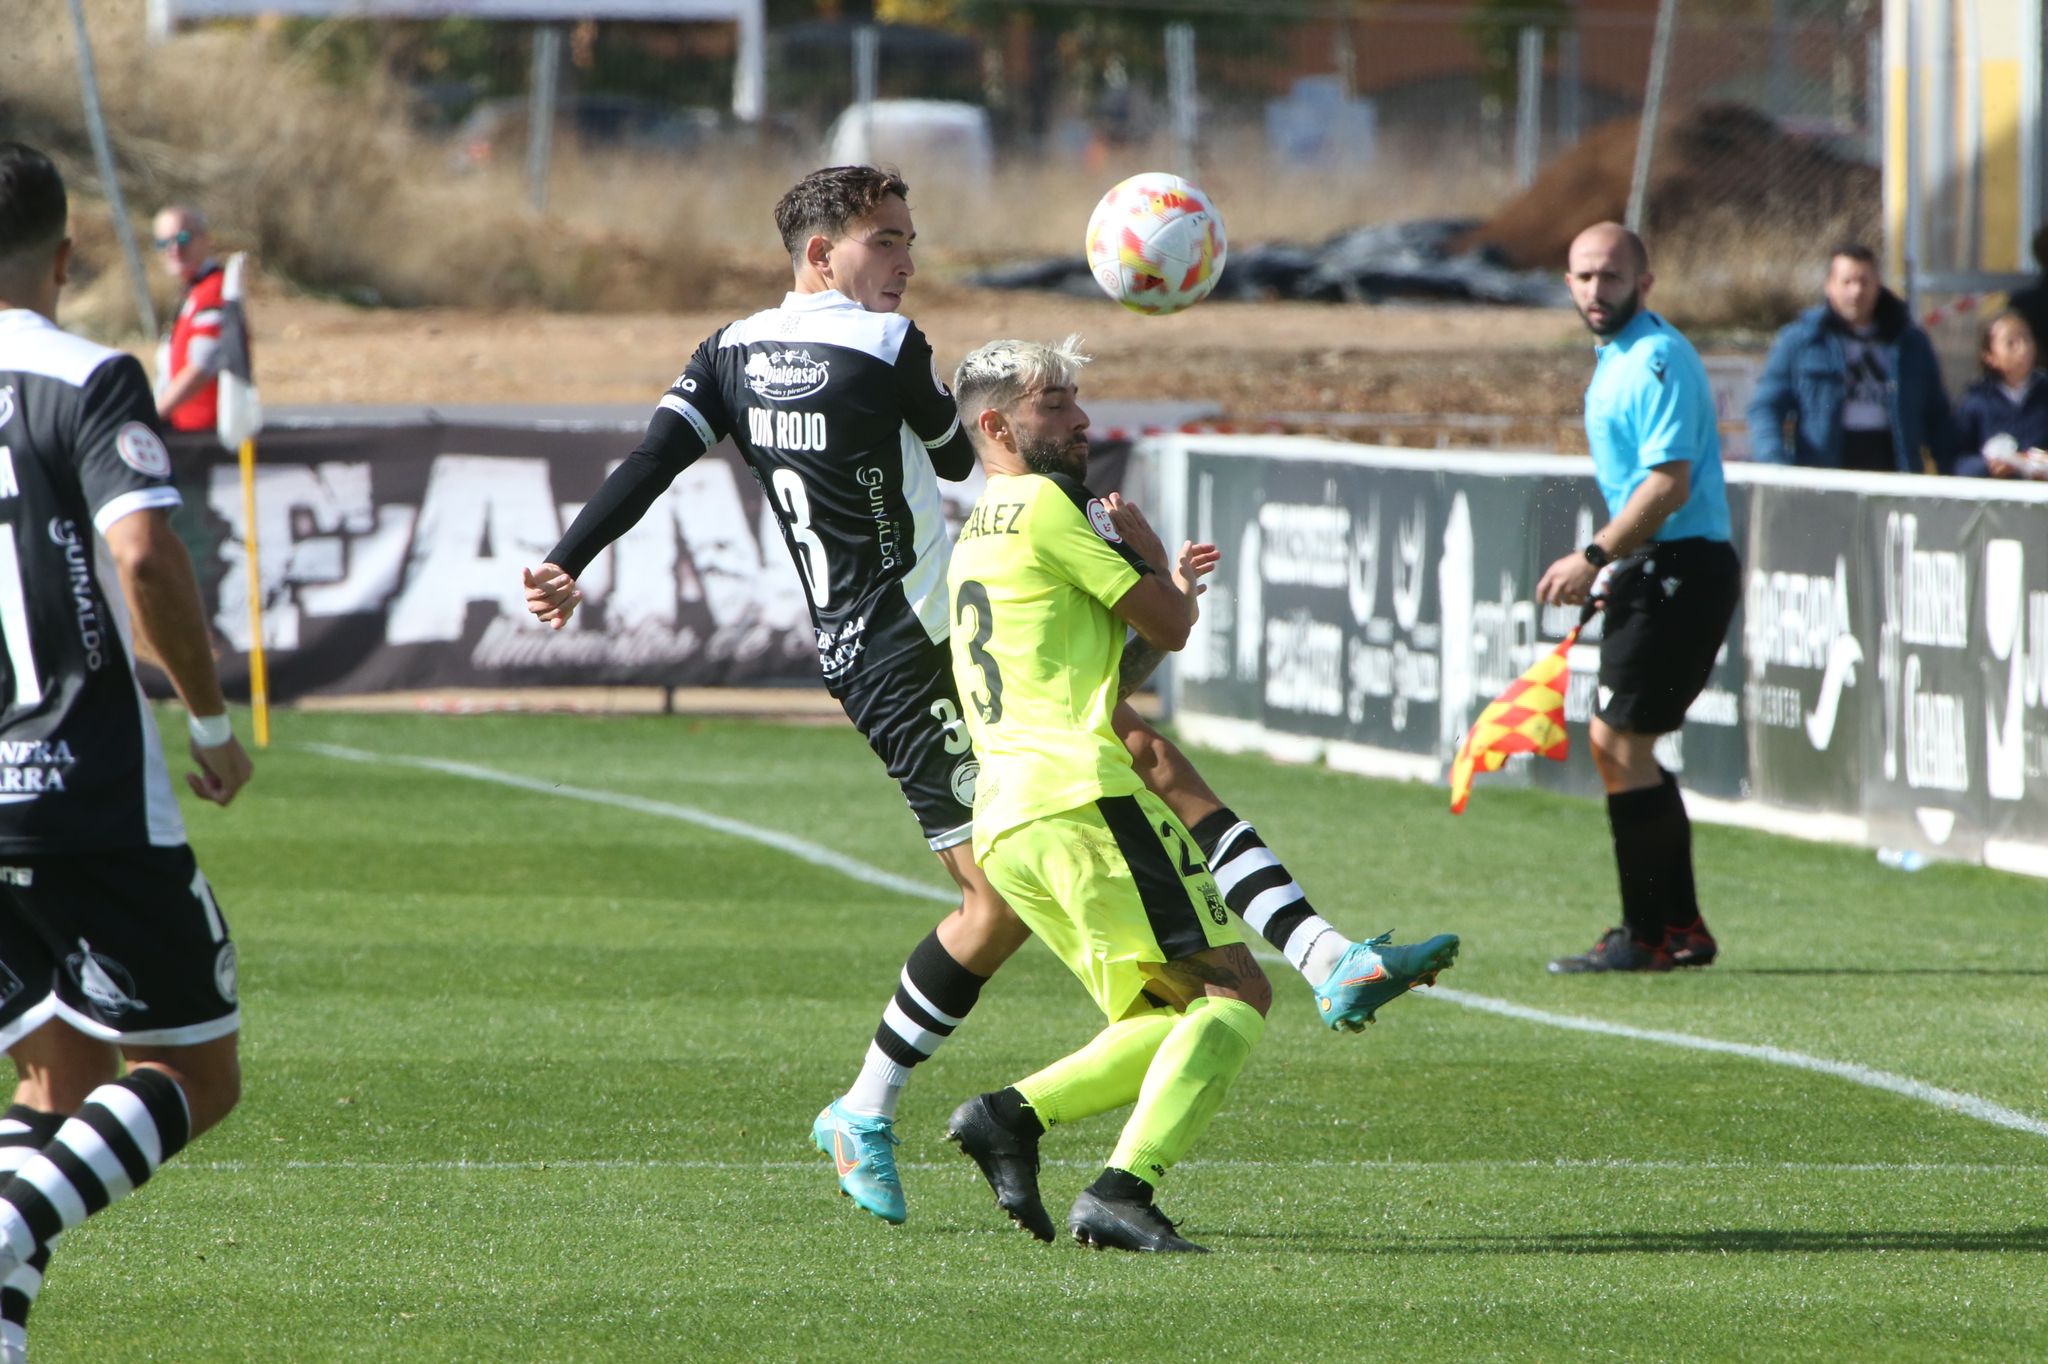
(786, 375)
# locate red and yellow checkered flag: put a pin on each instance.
(1526, 718)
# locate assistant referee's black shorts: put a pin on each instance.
(1667, 615)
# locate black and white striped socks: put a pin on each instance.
(24, 1132)
(933, 996)
(1263, 893)
(122, 1133)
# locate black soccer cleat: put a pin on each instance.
(1124, 1224)
(1008, 1161)
(1617, 950)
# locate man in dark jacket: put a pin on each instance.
(1855, 379)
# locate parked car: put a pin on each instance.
(497, 129)
(939, 140)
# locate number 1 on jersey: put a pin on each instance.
(21, 658)
(810, 559)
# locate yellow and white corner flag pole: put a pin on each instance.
(241, 417)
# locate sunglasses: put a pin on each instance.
(182, 239)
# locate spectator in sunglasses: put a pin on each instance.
(188, 357)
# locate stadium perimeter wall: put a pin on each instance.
(390, 544)
(1885, 680)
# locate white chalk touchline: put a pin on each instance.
(1954, 1101)
(539, 1166)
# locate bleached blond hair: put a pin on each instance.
(1003, 373)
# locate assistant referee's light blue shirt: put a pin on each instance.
(1649, 404)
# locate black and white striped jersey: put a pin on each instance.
(847, 424)
(80, 765)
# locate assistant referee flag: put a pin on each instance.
(241, 413)
(1526, 718)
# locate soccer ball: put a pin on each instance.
(1155, 244)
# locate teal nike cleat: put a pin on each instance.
(1371, 973)
(862, 1150)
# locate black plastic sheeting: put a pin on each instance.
(1364, 265)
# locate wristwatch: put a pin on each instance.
(1597, 556)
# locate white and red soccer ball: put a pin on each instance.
(1156, 244)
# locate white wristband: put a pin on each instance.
(209, 731)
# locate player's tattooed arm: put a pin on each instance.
(1140, 660)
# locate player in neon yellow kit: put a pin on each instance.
(1043, 582)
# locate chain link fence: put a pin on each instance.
(367, 156)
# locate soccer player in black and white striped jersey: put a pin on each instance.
(111, 942)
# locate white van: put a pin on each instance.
(928, 140)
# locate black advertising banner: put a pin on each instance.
(1490, 630)
(1888, 661)
(1925, 787)
(391, 558)
(1393, 608)
(1306, 547)
(1809, 651)
(2012, 665)
(1221, 672)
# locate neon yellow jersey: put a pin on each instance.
(1036, 649)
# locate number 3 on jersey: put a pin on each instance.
(973, 600)
(810, 559)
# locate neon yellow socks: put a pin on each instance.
(1185, 1085)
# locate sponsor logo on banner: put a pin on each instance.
(701, 577)
(1395, 662)
(2016, 631)
(1926, 596)
(142, 450)
(783, 376)
(1799, 622)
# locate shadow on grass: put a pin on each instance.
(1883, 971)
(2024, 1240)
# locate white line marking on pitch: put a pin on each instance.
(1393, 1166)
(1949, 1100)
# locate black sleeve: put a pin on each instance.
(690, 419)
(1097, 516)
(929, 408)
(115, 445)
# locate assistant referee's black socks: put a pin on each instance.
(1653, 852)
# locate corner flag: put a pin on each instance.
(241, 417)
(1526, 718)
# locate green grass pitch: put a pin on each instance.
(530, 1078)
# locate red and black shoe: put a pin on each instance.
(1617, 950)
(1691, 945)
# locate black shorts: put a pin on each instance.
(127, 946)
(909, 712)
(1667, 614)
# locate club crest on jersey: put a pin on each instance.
(938, 381)
(142, 450)
(1098, 517)
(786, 375)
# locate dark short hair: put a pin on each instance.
(1991, 325)
(2041, 246)
(828, 202)
(33, 208)
(1855, 251)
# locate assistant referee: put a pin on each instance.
(1672, 582)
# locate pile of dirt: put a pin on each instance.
(1710, 164)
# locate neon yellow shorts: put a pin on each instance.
(1110, 885)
